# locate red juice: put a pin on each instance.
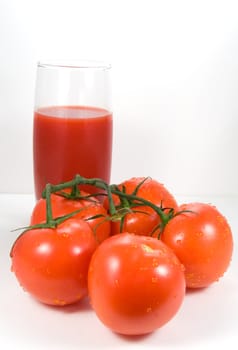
(70, 140)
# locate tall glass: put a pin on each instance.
(72, 122)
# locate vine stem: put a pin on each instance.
(80, 180)
(110, 190)
(49, 214)
(163, 216)
(128, 201)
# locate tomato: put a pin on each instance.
(143, 219)
(52, 264)
(202, 240)
(136, 283)
(91, 211)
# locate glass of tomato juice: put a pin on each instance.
(72, 132)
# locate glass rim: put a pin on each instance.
(73, 64)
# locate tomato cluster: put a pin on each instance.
(134, 253)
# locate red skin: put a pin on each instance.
(202, 240)
(136, 283)
(52, 264)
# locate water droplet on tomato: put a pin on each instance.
(134, 245)
(59, 302)
(199, 234)
(149, 309)
(143, 268)
(155, 262)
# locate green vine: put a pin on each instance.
(116, 213)
(127, 201)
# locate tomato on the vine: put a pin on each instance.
(202, 240)
(136, 283)
(52, 263)
(141, 219)
(90, 210)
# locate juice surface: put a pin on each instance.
(69, 140)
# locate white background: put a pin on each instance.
(175, 85)
(175, 88)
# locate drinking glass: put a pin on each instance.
(72, 131)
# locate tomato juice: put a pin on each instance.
(70, 140)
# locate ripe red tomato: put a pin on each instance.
(136, 283)
(202, 240)
(52, 264)
(144, 219)
(88, 210)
